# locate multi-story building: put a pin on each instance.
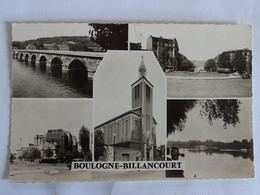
(158, 44)
(57, 140)
(54, 46)
(230, 57)
(131, 136)
(30, 47)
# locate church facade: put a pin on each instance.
(131, 136)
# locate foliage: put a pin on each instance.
(99, 145)
(239, 62)
(164, 57)
(210, 143)
(110, 36)
(75, 43)
(177, 114)
(32, 154)
(184, 64)
(12, 157)
(226, 110)
(210, 65)
(224, 61)
(84, 139)
(48, 153)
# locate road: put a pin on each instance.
(208, 88)
(34, 172)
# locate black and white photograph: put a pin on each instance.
(199, 60)
(130, 111)
(46, 136)
(213, 137)
(58, 60)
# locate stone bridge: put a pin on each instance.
(68, 60)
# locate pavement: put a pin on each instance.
(217, 87)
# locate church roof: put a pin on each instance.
(141, 79)
(117, 117)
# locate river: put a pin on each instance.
(205, 164)
(41, 81)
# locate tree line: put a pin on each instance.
(244, 144)
(235, 64)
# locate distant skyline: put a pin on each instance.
(196, 41)
(28, 31)
(36, 116)
(198, 128)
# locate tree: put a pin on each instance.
(164, 57)
(239, 62)
(210, 65)
(12, 157)
(184, 64)
(48, 153)
(110, 36)
(99, 145)
(34, 153)
(177, 114)
(224, 60)
(84, 139)
(227, 110)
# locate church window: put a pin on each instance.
(117, 131)
(126, 128)
(148, 91)
(137, 91)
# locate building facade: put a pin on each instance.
(131, 136)
(159, 45)
(230, 58)
(31, 47)
(54, 46)
(57, 140)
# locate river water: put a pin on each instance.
(41, 81)
(202, 164)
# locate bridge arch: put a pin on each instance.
(56, 61)
(21, 57)
(56, 67)
(43, 61)
(78, 71)
(26, 57)
(33, 60)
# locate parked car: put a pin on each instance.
(235, 74)
(246, 76)
(223, 70)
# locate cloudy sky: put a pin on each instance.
(27, 31)
(36, 116)
(196, 42)
(197, 128)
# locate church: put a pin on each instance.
(131, 136)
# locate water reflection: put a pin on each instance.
(214, 163)
(247, 153)
(31, 79)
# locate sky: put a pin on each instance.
(112, 87)
(196, 42)
(28, 31)
(197, 128)
(37, 116)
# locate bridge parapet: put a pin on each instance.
(91, 60)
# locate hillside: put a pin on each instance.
(75, 43)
